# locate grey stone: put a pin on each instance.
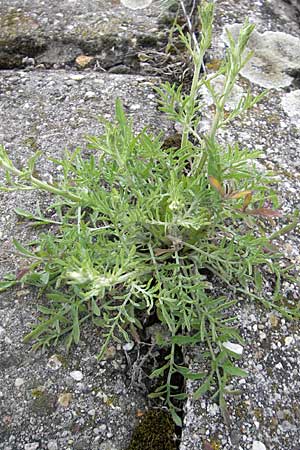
(291, 105)
(276, 57)
(77, 375)
(54, 33)
(32, 446)
(19, 382)
(52, 445)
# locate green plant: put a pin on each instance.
(142, 228)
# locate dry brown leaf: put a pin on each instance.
(216, 185)
(264, 212)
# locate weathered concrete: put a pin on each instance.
(265, 415)
(53, 33)
(52, 110)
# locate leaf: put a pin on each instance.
(258, 280)
(247, 201)
(95, 308)
(38, 279)
(39, 219)
(176, 418)
(240, 194)
(159, 371)
(156, 394)
(24, 250)
(234, 371)
(216, 185)
(6, 284)
(161, 251)
(182, 396)
(76, 328)
(203, 388)
(120, 114)
(184, 340)
(21, 212)
(264, 212)
(188, 374)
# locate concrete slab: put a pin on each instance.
(42, 405)
(265, 415)
(54, 33)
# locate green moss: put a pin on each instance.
(147, 40)
(43, 403)
(15, 23)
(31, 143)
(258, 413)
(155, 432)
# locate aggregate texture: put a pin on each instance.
(55, 400)
(265, 415)
(64, 34)
(51, 94)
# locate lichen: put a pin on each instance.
(156, 431)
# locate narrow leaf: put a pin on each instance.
(203, 388)
(176, 418)
(235, 371)
(247, 200)
(24, 250)
(159, 371)
(240, 194)
(95, 308)
(6, 284)
(216, 185)
(264, 212)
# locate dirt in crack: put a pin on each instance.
(295, 73)
(156, 429)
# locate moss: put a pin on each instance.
(31, 143)
(214, 65)
(258, 413)
(215, 445)
(43, 403)
(155, 432)
(147, 40)
(15, 23)
(172, 141)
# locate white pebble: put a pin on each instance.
(135, 107)
(257, 445)
(213, 409)
(54, 362)
(52, 445)
(32, 446)
(19, 382)
(128, 346)
(289, 340)
(77, 77)
(234, 348)
(89, 94)
(76, 375)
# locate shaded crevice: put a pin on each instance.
(109, 51)
(150, 354)
(295, 74)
